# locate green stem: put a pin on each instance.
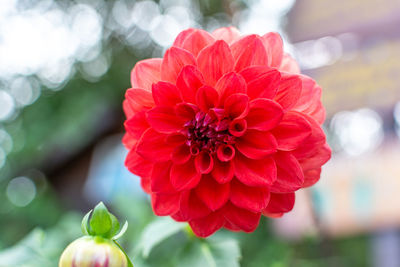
(126, 255)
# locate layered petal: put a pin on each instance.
(274, 46)
(289, 90)
(214, 61)
(256, 144)
(188, 82)
(164, 120)
(214, 195)
(208, 224)
(290, 176)
(223, 171)
(152, 146)
(279, 203)
(229, 84)
(191, 206)
(196, 41)
(228, 34)
(174, 60)
(262, 81)
(241, 218)
(292, 131)
(249, 51)
(264, 114)
(252, 172)
(145, 73)
(166, 94)
(254, 199)
(184, 176)
(165, 204)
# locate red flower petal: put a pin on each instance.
(137, 124)
(292, 131)
(186, 111)
(191, 207)
(139, 99)
(137, 164)
(289, 90)
(262, 81)
(309, 101)
(225, 152)
(165, 204)
(243, 219)
(164, 120)
(313, 142)
(182, 36)
(290, 65)
(223, 171)
(207, 225)
(152, 146)
(197, 40)
(311, 177)
(166, 94)
(228, 34)
(264, 114)
(128, 110)
(145, 184)
(249, 51)
(229, 84)
(160, 182)
(145, 73)
(214, 61)
(174, 60)
(238, 127)
(255, 172)
(204, 162)
(213, 194)
(274, 47)
(181, 154)
(236, 105)
(312, 165)
(280, 203)
(254, 199)
(290, 175)
(188, 82)
(206, 98)
(256, 144)
(184, 176)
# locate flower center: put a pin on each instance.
(206, 133)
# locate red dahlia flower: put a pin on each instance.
(224, 129)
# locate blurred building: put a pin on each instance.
(352, 49)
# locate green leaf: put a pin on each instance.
(156, 232)
(85, 223)
(101, 222)
(211, 253)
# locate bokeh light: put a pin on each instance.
(358, 131)
(21, 191)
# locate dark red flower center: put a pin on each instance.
(207, 133)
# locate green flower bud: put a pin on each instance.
(98, 248)
(93, 251)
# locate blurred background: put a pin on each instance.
(64, 68)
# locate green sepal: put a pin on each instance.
(101, 222)
(114, 226)
(122, 232)
(85, 224)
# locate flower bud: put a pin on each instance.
(89, 251)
